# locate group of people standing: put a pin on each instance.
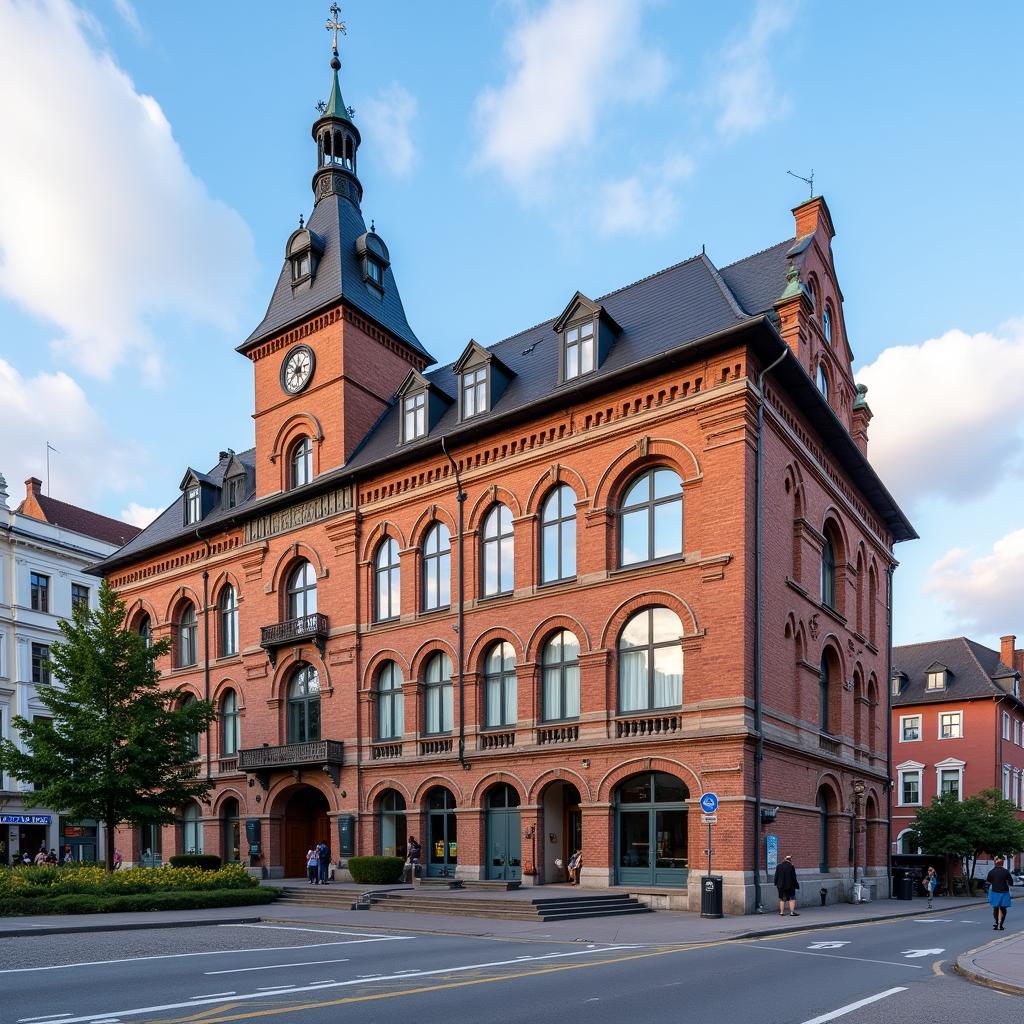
(318, 864)
(44, 856)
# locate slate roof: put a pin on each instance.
(972, 667)
(81, 520)
(338, 277)
(758, 280)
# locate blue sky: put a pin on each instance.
(514, 152)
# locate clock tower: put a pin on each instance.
(335, 344)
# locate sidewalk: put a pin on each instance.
(999, 964)
(664, 927)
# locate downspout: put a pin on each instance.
(206, 655)
(758, 725)
(888, 734)
(460, 496)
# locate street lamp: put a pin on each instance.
(858, 793)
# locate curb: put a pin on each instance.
(980, 977)
(17, 933)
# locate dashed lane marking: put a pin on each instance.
(274, 967)
(850, 1007)
(836, 956)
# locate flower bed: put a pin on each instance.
(51, 880)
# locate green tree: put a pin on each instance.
(942, 830)
(117, 747)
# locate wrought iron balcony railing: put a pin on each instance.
(292, 631)
(323, 754)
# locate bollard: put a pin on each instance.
(823, 893)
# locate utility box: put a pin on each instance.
(347, 835)
(252, 836)
(711, 896)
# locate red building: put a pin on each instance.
(957, 726)
(540, 598)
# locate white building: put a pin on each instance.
(45, 547)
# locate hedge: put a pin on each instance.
(203, 861)
(89, 903)
(376, 870)
(54, 881)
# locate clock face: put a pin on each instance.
(297, 369)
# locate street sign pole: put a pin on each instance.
(709, 849)
(709, 804)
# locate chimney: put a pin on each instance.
(812, 214)
(33, 487)
(30, 506)
(1006, 650)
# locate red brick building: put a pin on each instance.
(512, 605)
(957, 726)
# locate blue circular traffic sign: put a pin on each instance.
(709, 803)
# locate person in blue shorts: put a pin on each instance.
(999, 882)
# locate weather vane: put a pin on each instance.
(321, 107)
(808, 181)
(335, 25)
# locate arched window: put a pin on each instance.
(300, 462)
(437, 568)
(498, 552)
(192, 740)
(304, 705)
(191, 830)
(390, 705)
(187, 647)
(821, 379)
(228, 610)
(230, 724)
(437, 695)
(823, 830)
(558, 535)
(824, 693)
(828, 572)
(872, 602)
(651, 518)
(826, 322)
(500, 696)
(144, 628)
(231, 832)
(561, 677)
(393, 834)
(651, 661)
(302, 591)
(388, 581)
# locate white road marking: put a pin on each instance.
(828, 945)
(273, 967)
(276, 988)
(211, 995)
(933, 920)
(317, 931)
(836, 956)
(211, 952)
(850, 1007)
(52, 1016)
(911, 954)
(107, 1018)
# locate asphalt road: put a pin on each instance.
(861, 974)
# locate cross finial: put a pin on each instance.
(335, 25)
(301, 221)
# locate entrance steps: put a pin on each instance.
(555, 908)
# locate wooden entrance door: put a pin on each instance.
(305, 824)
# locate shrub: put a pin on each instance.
(203, 861)
(376, 870)
(93, 903)
(131, 881)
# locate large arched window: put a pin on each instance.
(437, 568)
(821, 379)
(437, 695)
(498, 559)
(558, 535)
(826, 322)
(192, 740)
(387, 581)
(872, 602)
(390, 706)
(144, 627)
(302, 591)
(828, 572)
(191, 829)
(651, 518)
(652, 830)
(228, 613)
(824, 693)
(231, 832)
(393, 834)
(229, 724)
(187, 647)
(561, 677)
(300, 462)
(304, 705)
(651, 661)
(823, 829)
(500, 696)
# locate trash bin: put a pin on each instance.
(858, 893)
(905, 887)
(711, 896)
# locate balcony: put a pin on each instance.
(830, 745)
(558, 734)
(658, 725)
(440, 745)
(385, 751)
(293, 631)
(325, 755)
(497, 740)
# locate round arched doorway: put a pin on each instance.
(504, 836)
(305, 824)
(651, 830)
(442, 833)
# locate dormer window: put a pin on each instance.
(234, 492)
(303, 252)
(474, 392)
(300, 267)
(579, 350)
(936, 679)
(373, 258)
(483, 378)
(192, 505)
(414, 416)
(421, 405)
(897, 683)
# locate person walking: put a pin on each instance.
(323, 852)
(999, 882)
(118, 859)
(574, 867)
(40, 857)
(412, 857)
(930, 883)
(787, 884)
(312, 865)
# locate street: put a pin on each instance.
(862, 973)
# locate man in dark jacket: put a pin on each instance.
(999, 882)
(787, 884)
(323, 854)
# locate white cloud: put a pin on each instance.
(139, 515)
(642, 203)
(52, 407)
(984, 592)
(129, 16)
(102, 223)
(948, 413)
(744, 89)
(389, 117)
(571, 62)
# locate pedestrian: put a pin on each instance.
(117, 859)
(26, 858)
(51, 857)
(787, 884)
(412, 857)
(323, 852)
(999, 882)
(574, 866)
(312, 865)
(40, 857)
(930, 883)
(69, 857)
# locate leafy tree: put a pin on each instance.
(941, 830)
(117, 748)
(993, 826)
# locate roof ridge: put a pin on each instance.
(743, 259)
(726, 291)
(82, 508)
(971, 644)
(926, 643)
